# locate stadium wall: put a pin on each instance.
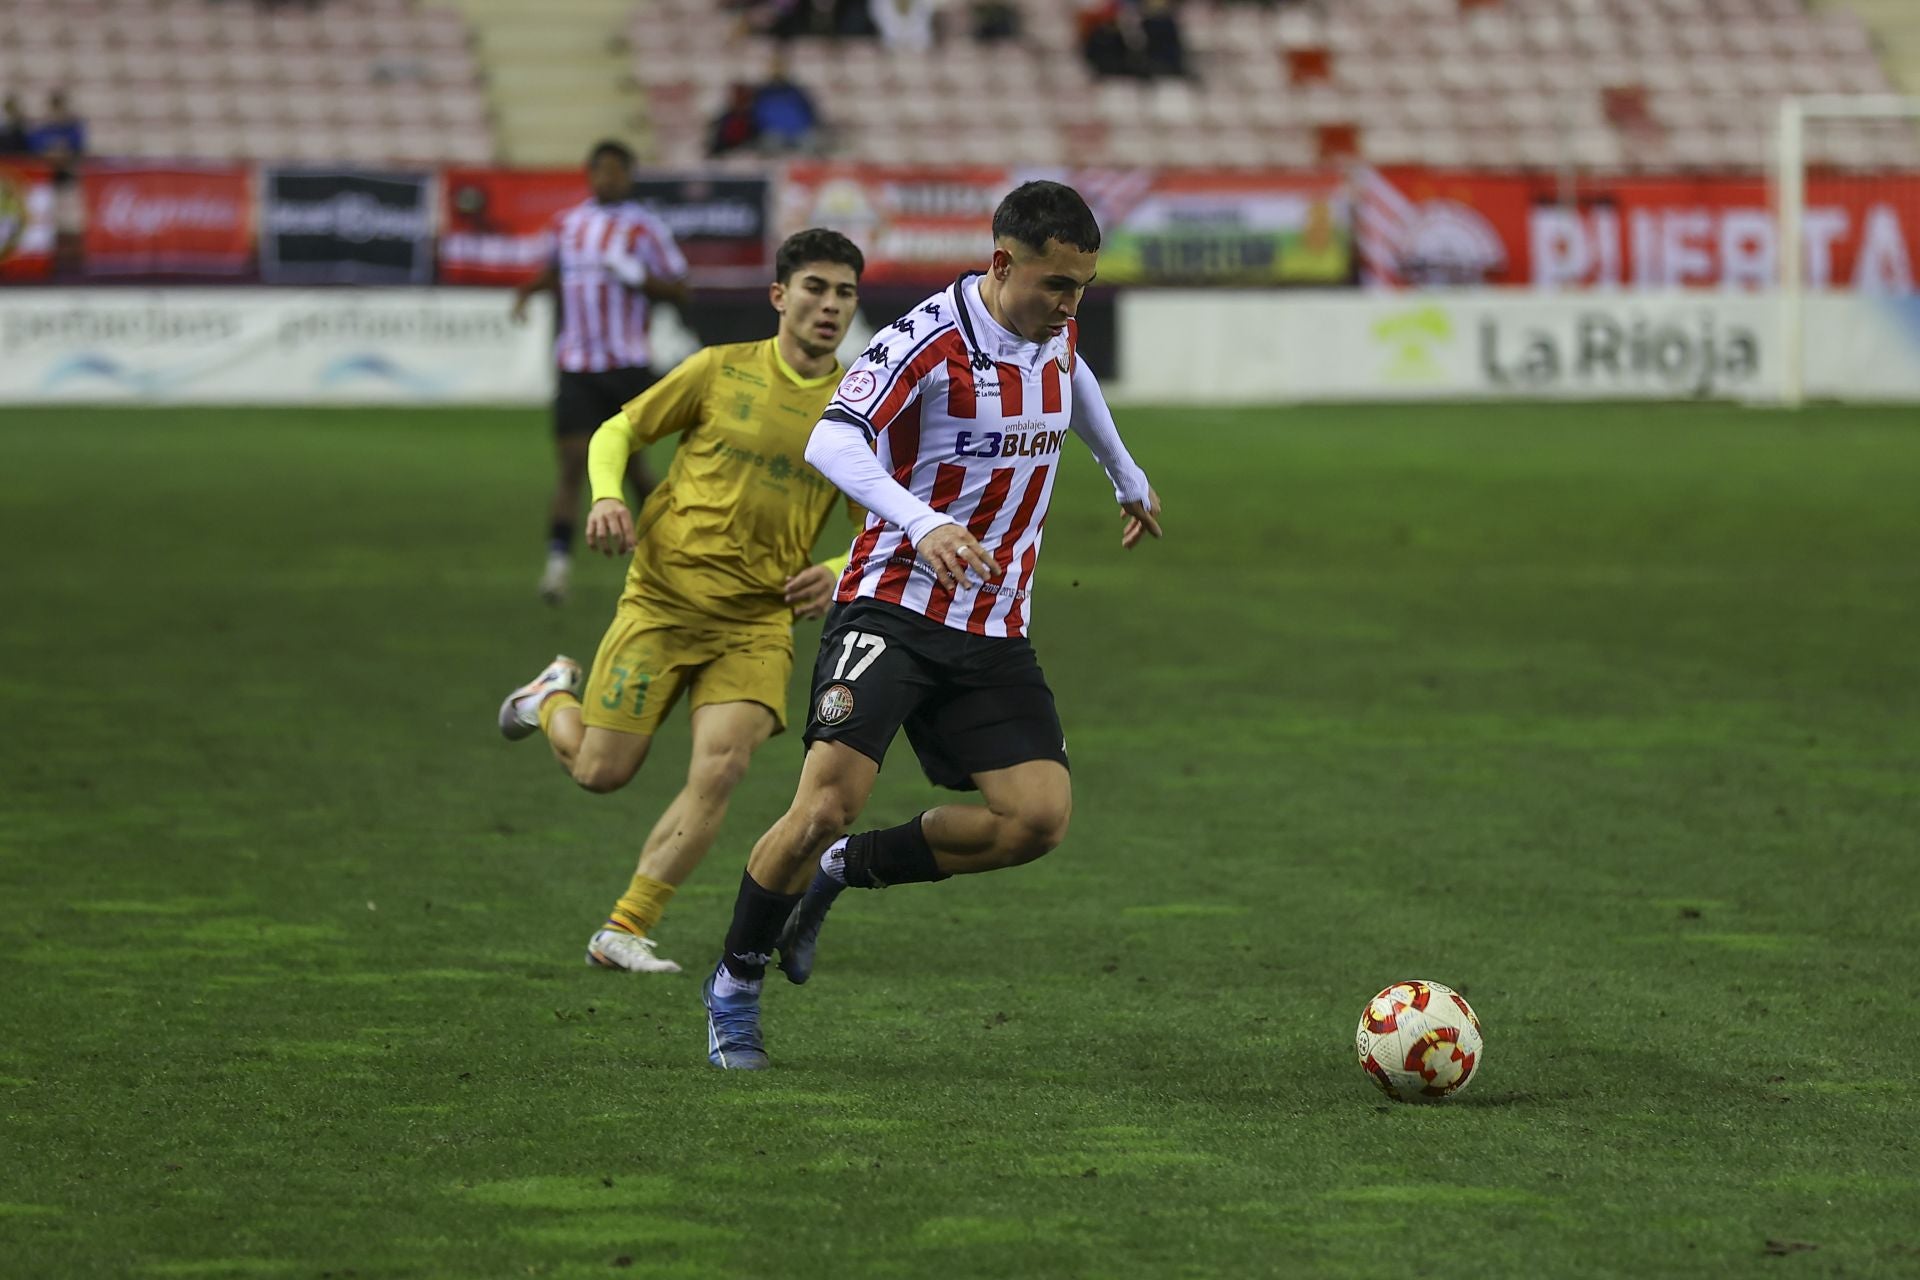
(271, 346)
(1193, 347)
(458, 346)
(191, 345)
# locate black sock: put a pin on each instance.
(560, 536)
(897, 855)
(758, 916)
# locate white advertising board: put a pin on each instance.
(1253, 348)
(272, 346)
(1860, 347)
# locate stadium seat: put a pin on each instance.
(1389, 68)
(136, 67)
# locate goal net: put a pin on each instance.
(1846, 191)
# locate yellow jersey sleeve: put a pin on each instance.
(668, 407)
(607, 456)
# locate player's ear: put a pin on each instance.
(1002, 264)
(777, 295)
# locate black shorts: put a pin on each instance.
(585, 400)
(970, 703)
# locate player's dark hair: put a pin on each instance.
(816, 244)
(1036, 212)
(608, 147)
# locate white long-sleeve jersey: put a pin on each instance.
(948, 417)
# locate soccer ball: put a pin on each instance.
(1419, 1041)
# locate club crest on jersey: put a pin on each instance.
(835, 705)
(1065, 361)
(859, 385)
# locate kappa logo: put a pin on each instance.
(859, 385)
(835, 705)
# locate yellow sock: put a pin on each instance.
(552, 703)
(641, 907)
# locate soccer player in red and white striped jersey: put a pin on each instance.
(948, 430)
(612, 259)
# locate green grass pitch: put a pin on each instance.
(1609, 716)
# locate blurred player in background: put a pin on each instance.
(948, 430)
(613, 257)
(719, 573)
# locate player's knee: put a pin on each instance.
(827, 813)
(1034, 833)
(720, 768)
(600, 775)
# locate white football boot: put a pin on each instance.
(520, 713)
(553, 582)
(618, 949)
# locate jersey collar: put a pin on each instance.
(987, 339)
(793, 376)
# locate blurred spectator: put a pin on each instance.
(16, 138)
(906, 24)
(61, 139)
(1104, 32)
(735, 126)
(1166, 52)
(855, 17)
(783, 113)
(1132, 38)
(786, 19)
(805, 18)
(996, 20)
(62, 135)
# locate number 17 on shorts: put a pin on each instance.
(858, 650)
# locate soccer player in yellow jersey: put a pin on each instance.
(720, 570)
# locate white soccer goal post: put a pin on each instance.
(1854, 141)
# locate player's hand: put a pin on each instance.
(953, 553)
(610, 527)
(810, 591)
(1142, 518)
(625, 268)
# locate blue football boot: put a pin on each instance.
(801, 933)
(733, 1030)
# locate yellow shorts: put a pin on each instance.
(645, 664)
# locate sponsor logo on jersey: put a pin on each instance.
(1016, 443)
(835, 705)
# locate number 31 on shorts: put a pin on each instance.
(870, 647)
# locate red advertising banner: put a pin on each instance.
(26, 220)
(914, 225)
(496, 223)
(924, 225)
(1428, 227)
(173, 220)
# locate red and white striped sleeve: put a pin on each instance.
(889, 377)
(891, 373)
(654, 245)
